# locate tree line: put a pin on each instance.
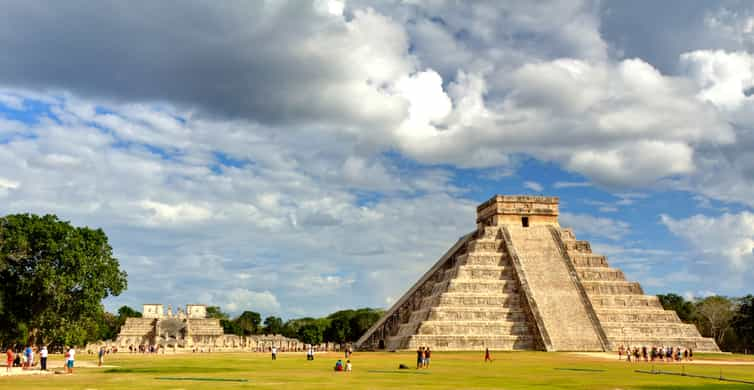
(730, 321)
(344, 326)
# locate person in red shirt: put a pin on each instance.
(9, 359)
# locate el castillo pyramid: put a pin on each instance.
(521, 282)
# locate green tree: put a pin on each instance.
(310, 333)
(339, 330)
(718, 312)
(248, 322)
(128, 312)
(685, 309)
(215, 312)
(362, 320)
(273, 325)
(54, 278)
(743, 324)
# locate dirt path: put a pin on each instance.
(52, 367)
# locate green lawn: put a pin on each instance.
(466, 370)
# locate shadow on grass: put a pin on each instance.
(171, 369)
(581, 369)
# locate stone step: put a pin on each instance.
(481, 286)
(625, 330)
(470, 299)
(612, 287)
(489, 233)
(587, 260)
(472, 342)
(600, 274)
(473, 328)
(697, 344)
(633, 301)
(467, 313)
(577, 246)
(485, 272)
(646, 315)
(485, 245)
(483, 258)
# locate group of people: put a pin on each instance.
(339, 366)
(25, 358)
(142, 348)
(663, 354)
(423, 355)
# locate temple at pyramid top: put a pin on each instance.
(520, 281)
(522, 210)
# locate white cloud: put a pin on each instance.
(595, 226)
(571, 184)
(727, 239)
(534, 186)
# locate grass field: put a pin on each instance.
(451, 370)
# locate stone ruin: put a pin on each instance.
(521, 282)
(191, 330)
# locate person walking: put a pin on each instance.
(9, 359)
(101, 356)
(487, 356)
(274, 353)
(43, 358)
(71, 358)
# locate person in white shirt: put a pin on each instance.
(348, 366)
(71, 358)
(43, 358)
(274, 353)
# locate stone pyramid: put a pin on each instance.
(520, 281)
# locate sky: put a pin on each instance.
(298, 158)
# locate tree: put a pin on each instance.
(55, 277)
(310, 334)
(362, 320)
(127, 312)
(685, 309)
(273, 325)
(249, 322)
(215, 312)
(339, 330)
(743, 324)
(718, 312)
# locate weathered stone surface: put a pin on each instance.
(522, 282)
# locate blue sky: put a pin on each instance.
(296, 158)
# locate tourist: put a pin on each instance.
(339, 365)
(27, 357)
(43, 358)
(620, 352)
(691, 355)
(9, 359)
(427, 356)
(310, 353)
(419, 357)
(487, 356)
(348, 366)
(71, 358)
(644, 353)
(274, 352)
(100, 356)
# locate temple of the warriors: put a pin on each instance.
(521, 282)
(191, 330)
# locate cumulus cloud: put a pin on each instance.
(599, 227)
(728, 238)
